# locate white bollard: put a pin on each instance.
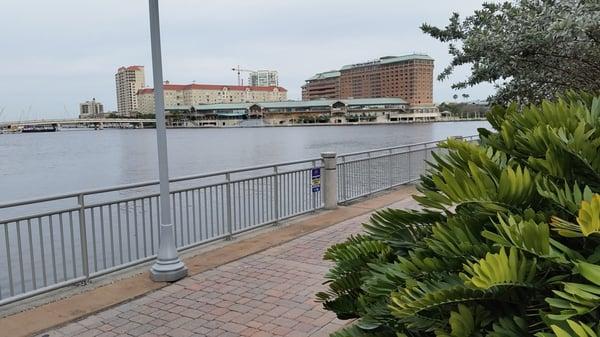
(329, 178)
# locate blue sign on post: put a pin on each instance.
(315, 179)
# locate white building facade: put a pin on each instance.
(129, 80)
(91, 109)
(263, 78)
(188, 95)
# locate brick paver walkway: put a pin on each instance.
(271, 293)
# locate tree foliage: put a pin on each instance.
(506, 243)
(530, 49)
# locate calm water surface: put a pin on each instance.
(35, 165)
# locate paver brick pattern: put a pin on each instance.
(271, 293)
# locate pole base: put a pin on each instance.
(168, 272)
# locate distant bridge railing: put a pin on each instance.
(79, 121)
(52, 242)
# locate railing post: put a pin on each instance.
(312, 194)
(276, 194)
(329, 177)
(83, 238)
(229, 210)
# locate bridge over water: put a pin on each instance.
(93, 122)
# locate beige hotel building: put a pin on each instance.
(188, 95)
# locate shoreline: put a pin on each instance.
(322, 124)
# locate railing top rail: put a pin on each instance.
(150, 183)
(400, 147)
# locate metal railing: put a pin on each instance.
(52, 242)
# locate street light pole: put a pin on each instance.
(168, 267)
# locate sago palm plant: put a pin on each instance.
(506, 243)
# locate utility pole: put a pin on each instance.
(168, 267)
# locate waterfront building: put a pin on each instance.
(364, 110)
(323, 85)
(188, 95)
(263, 78)
(91, 109)
(129, 80)
(409, 77)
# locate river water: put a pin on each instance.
(36, 165)
(41, 244)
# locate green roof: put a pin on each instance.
(324, 75)
(389, 59)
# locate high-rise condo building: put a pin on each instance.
(129, 80)
(90, 109)
(263, 78)
(409, 77)
(184, 96)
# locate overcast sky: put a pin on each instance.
(55, 54)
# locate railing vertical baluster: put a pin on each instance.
(409, 164)
(31, 256)
(276, 193)
(94, 249)
(151, 213)
(8, 260)
(120, 229)
(187, 216)
(20, 251)
(72, 236)
(390, 179)
(83, 238)
(206, 222)
(193, 205)
(128, 225)
(369, 168)
(174, 215)
(42, 250)
(62, 246)
(228, 220)
(221, 206)
(181, 219)
(208, 225)
(157, 221)
(202, 215)
(54, 273)
(144, 227)
(245, 206)
(135, 227)
(103, 236)
(253, 199)
(112, 234)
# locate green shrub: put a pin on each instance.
(506, 242)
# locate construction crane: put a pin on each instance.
(239, 71)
